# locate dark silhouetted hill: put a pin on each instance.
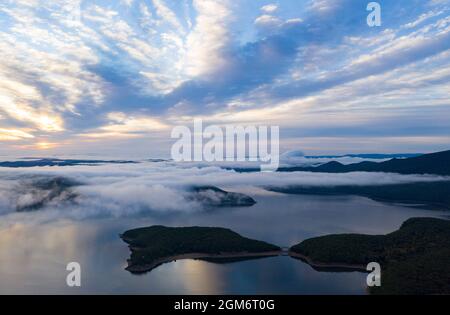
(434, 163)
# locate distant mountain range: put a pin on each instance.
(366, 156)
(57, 162)
(435, 195)
(434, 163)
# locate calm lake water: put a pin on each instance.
(33, 257)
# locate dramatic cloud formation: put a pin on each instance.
(93, 76)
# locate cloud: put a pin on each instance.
(206, 44)
(269, 8)
(167, 14)
(14, 134)
(128, 3)
(267, 20)
(324, 6)
(81, 192)
(422, 18)
(282, 63)
(42, 72)
(17, 99)
(123, 125)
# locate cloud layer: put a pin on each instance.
(74, 73)
(112, 190)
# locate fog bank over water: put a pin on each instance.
(112, 190)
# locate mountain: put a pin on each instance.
(434, 163)
(374, 156)
(38, 192)
(57, 162)
(212, 196)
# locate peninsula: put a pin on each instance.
(414, 260)
(156, 245)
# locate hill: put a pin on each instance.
(156, 245)
(415, 259)
(211, 196)
(434, 163)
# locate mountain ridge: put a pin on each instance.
(433, 163)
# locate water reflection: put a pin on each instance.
(33, 257)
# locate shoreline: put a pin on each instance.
(195, 256)
(407, 203)
(313, 263)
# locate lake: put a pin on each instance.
(33, 256)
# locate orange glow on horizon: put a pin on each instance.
(45, 145)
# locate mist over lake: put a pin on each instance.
(36, 245)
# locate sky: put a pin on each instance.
(112, 78)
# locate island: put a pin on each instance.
(414, 260)
(39, 191)
(214, 197)
(156, 245)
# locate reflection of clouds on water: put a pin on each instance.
(47, 240)
(36, 256)
(200, 277)
(112, 190)
(33, 257)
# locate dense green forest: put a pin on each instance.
(158, 242)
(415, 259)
